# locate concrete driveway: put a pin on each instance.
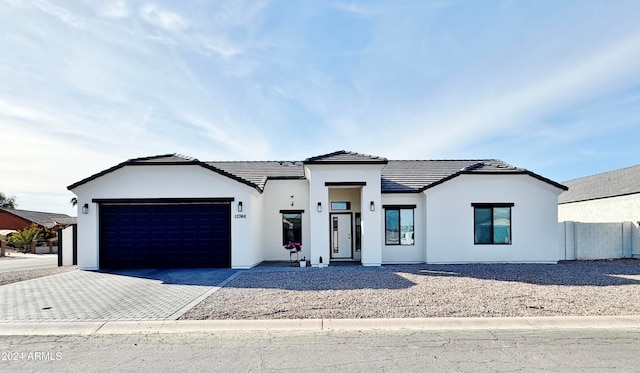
(101, 296)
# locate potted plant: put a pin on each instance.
(293, 248)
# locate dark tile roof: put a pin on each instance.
(171, 158)
(257, 172)
(345, 157)
(608, 184)
(405, 176)
(397, 176)
(45, 219)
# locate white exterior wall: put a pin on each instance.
(450, 219)
(416, 253)
(67, 246)
(277, 196)
(180, 181)
(605, 210)
(318, 175)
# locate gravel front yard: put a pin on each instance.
(583, 288)
(28, 274)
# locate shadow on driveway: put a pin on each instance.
(190, 276)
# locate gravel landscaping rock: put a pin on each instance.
(28, 274)
(581, 288)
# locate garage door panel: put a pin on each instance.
(165, 236)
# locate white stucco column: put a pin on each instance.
(319, 242)
(371, 225)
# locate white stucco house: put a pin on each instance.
(612, 196)
(175, 211)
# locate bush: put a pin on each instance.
(25, 240)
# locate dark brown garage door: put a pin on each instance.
(174, 235)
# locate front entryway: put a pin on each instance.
(341, 236)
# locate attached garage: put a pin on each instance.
(164, 233)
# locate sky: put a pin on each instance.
(552, 86)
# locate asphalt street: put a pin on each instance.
(28, 262)
(551, 350)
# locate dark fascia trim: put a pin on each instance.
(136, 162)
(400, 191)
(161, 200)
(347, 162)
(397, 207)
(286, 178)
(129, 162)
(596, 198)
(292, 211)
(231, 176)
(526, 172)
(345, 183)
(493, 204)
(518, 172)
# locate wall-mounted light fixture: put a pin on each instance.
(372, 206)
(319, 207)
(240, 206)
(85, 208)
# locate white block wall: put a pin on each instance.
(590, 241)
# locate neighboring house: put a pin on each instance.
(612, 196)
(20, 219)
(176, 211)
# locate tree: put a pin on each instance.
(26, 238)
(74, 201)
(7, 202)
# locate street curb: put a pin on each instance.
(318, 325)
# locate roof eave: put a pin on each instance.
(136, 162)
(377, 162)
(516, 172)
(597, 198)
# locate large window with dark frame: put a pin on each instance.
(492, 223)
(399, 229)
(291, 227)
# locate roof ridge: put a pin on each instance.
(262, 161)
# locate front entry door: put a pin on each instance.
(341, 236)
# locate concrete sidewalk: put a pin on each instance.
(213, 326)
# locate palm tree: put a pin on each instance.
(74, 201)
(26, 238)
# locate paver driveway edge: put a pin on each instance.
(88, 296)
(320, 325)
(202, 297)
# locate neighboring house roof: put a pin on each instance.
(614, 183)
(45, 219)
(397, 176)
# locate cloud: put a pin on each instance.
(166, 20)
(115, 9)
(59, 12)
(500, 101)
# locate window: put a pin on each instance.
(341, 205)
(492, 223)
(399, 225)
(291, 227)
